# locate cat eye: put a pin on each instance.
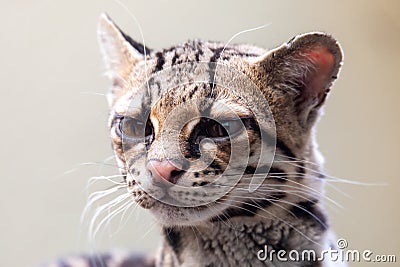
(218, 130)
(135, 128)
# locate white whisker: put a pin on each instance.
(93, 230)
(229, 41)
(95, 196)
(93, 180)
(136, 21)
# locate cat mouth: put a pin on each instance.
(179, 195)
(172, 215)
(147, 201)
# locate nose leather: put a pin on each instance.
(162, 171)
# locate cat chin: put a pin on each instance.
(168, 215)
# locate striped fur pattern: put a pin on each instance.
(286, 210)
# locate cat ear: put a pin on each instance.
(120, 52)
(308, 64)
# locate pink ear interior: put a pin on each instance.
(324, 63)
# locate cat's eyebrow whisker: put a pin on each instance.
(226, 45)
(136, 21)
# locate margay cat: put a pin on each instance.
(181, 146)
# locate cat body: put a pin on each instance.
(182, 120)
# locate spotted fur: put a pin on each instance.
(286, 211)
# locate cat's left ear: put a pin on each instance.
(120, 52)
(307, 65)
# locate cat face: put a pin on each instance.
(203, 131)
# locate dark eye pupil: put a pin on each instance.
(208, 128)
(215, 129)
(149, 129)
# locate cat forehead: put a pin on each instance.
(139, 80)
(194, 99)
(203, 51)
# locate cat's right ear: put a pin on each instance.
(307, 66)
(120, 52)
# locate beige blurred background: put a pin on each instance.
(54, 116)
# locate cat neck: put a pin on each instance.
(239, 242)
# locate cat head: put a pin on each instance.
(202, 128)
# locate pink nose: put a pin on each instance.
(162, 171)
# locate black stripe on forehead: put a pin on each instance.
(199, 93)
(212, 66)
(160, 61)
(217, 54)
